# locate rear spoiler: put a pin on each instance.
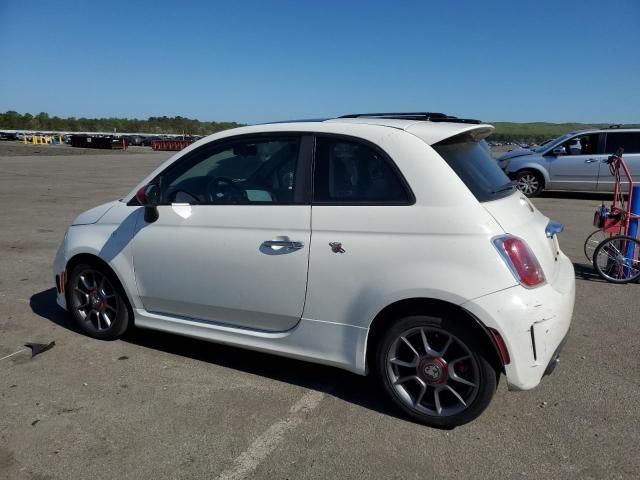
(449, 132)
(472, 135)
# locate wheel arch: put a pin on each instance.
(93, 259)
(433, 307)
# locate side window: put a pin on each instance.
(351, 172)
(581, 145)
(259, 171)
(629, 141)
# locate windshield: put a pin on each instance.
(553, 141)
(475, 167)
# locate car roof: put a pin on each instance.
(603, 130)
(429, 127)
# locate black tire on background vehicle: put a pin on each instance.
(435, 370)
(530, 182)
(97, 302)
(612, 260)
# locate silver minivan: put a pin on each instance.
(575, 161)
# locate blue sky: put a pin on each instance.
(256, 61)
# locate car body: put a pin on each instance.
(364, 229)
(563, 163)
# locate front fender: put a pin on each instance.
(109, 240)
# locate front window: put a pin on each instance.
(253, 171)
(545, 146)
(475, 167)
(579, 145)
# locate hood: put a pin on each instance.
(516, 152)
(93, 215)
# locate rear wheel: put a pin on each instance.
(97, 302)
(617, 259)
(435, 371)
(592, 242)
(530, 182)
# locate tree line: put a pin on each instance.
(12, 120)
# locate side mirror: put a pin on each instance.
(149, 197)
(558, 151)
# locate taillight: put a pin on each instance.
(520, 260)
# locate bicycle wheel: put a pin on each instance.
(616, 259)
(592, 242)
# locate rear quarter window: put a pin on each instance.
(628, 141)
(473, 163)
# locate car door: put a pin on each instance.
(360, 207)
(574, 165)
(630, 143)
(231, 241)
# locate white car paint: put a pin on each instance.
(315, 304)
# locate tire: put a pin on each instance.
(419, 379)
(97, 302)
(592, 242)
(611, 262)
(530, 182)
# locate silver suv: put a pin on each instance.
(575, 161)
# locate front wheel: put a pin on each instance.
(97, 302)
(617, 259)
(529, 182)
(435, 371)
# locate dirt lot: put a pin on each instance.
(157, 406)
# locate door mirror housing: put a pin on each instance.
(149, 195)
(558, 151)
(149, 198)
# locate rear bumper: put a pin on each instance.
(555, 358)
(533, 324)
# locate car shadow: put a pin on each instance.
(347, 386)
(585, 271)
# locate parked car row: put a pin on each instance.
(132, 140)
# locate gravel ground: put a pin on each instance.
(158, 406)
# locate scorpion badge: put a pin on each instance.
(336, 247)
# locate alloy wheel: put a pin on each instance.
(432, 371)
(95, 300)
(528, 184)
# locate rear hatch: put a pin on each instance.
(470, 158)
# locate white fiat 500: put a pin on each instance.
(382, 243)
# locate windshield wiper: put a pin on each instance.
(506, 187)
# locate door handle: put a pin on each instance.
(591, 160)
(278, 244)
